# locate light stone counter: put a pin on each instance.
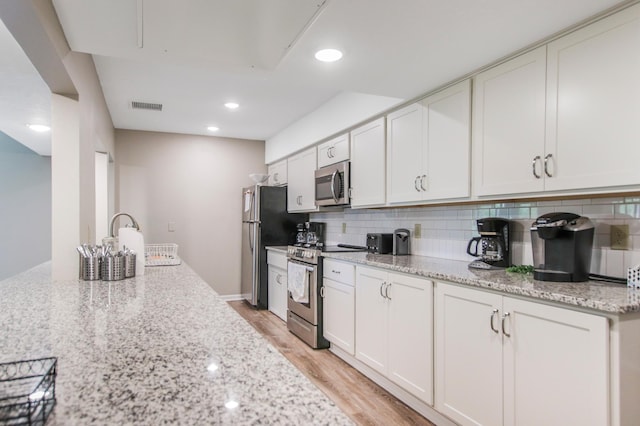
(604, 297)
(137, 351)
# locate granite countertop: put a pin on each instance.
(603, 297)
(161, 348)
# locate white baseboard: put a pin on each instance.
(230, 297)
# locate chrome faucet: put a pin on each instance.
(115, 216)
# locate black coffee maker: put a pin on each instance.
(492, 246)
(562, 245)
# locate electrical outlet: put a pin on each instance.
(619, 235)
(344, 228)
(417, 231)
(171, 227)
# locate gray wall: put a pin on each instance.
(25, 207)
(194, 182)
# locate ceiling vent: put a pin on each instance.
(146, 105)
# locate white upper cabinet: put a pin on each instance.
(301, 191)
(278, 173)
(428, 152)
(593, 104)
(404, 154)
(509, 126)
(333, 151)
(368, 172)
(446, 149)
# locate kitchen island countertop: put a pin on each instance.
(162, 348)
(599, 296)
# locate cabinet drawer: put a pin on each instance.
(278, 259)
(339, 271)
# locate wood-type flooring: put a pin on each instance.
(362, 400)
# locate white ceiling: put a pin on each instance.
(198, 54)
(24, 96)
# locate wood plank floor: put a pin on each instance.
(361, 399)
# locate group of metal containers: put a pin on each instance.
(102, 263)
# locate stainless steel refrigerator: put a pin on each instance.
(265, 222)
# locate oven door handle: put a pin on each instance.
(309, 268)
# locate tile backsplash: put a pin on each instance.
(445, 230)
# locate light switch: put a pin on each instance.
(172, 226)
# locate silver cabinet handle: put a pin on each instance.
(533, 166)
(275, 177)
(299, 200)
(279, 279)
(493, 315)
(322, 292)
(386, 291)
(415, 183)
(504, 317)
(381, 286)
(335, 272)
(546, 165)
(422, 182)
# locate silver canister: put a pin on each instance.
(129, 264)
(113, 268)
(90, 268)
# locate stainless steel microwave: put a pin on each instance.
(332, 185)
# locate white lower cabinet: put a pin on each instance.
(506, 361)
(394, 328)
(277, 282)
(339, 305)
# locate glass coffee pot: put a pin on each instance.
(301, 234)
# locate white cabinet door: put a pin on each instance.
(411, 334)
(278, 173)
(468, 364)
(509, 126)
(339, 315)
(447, 137)
(593, 104)
(371, 318)
(404, 154)
(334, 150)
(501, 360)
(368, 173)
(301, 191)
(555, 366)
(277, 283)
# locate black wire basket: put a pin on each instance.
(27, 391)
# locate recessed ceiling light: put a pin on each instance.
(39, 127)
(231, 105)
(213, 128)
(328, 55)
(231, 404)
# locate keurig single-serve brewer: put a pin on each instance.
(562, 244)
(492, 247)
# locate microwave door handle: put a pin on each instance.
(333, 185)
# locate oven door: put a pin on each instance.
(307, 311)
(332, 185)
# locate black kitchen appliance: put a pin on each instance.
(315, 234)
(380, 243)
(401, 242)
(562, 245)
(265, 222)
(493, 246)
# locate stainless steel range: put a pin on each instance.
(304, 318)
